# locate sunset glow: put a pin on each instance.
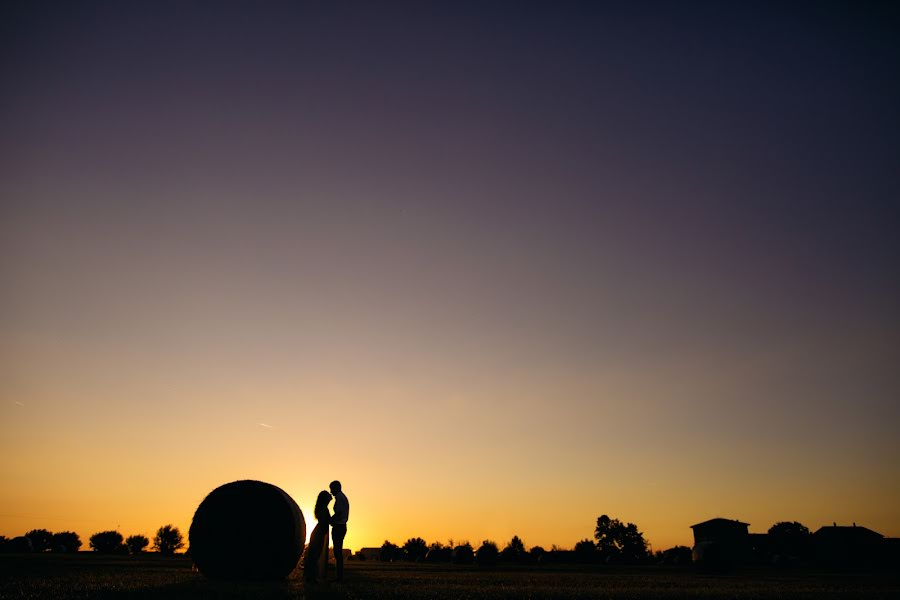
(500, 271)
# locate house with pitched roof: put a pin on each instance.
(719, 543)
(848, 545)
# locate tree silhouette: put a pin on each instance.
(790, 541)
(40, 539)
(390, 552)
(415, 549)
(136, 543)
(619, 542)
(168, 540)
(514, 550)
(107, 542)
(438, 552)
(486, 555)
(68, 541)
(634, 546)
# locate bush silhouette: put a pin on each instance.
(676, 555)
(136, 543)
(18, 545)
(65, 541)
(438, 552)
(40, 539)
(247, 530)
(463, 554)
(486, 555)
(107, 542)
(415, 549)
(586, 552)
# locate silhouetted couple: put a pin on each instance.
(318, 540)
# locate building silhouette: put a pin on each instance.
(722, 543)
(837, 545)
(719, 542)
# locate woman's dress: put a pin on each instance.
(318, 540)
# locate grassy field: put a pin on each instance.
(150, 576)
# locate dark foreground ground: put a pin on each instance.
(90, 576)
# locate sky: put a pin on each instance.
(499, 267)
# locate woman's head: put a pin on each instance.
(322, 501)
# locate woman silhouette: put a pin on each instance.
(318, 539)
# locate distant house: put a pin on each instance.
(719, 542)
(848, 545)
(368, 553)
(345, 551)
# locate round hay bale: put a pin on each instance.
(247, 530)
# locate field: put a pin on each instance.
(91, 576)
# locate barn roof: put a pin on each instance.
(845, 531)
(721, 521)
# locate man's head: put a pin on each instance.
(335, 487)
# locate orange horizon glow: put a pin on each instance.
(436, 519)
(499, 269)
(363, 534)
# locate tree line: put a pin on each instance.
(167, 541)
(613, 542)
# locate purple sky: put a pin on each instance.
(685, 213)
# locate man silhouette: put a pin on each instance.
(339, 527)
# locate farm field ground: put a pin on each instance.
(87, 575)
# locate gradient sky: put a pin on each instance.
(499, 267)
